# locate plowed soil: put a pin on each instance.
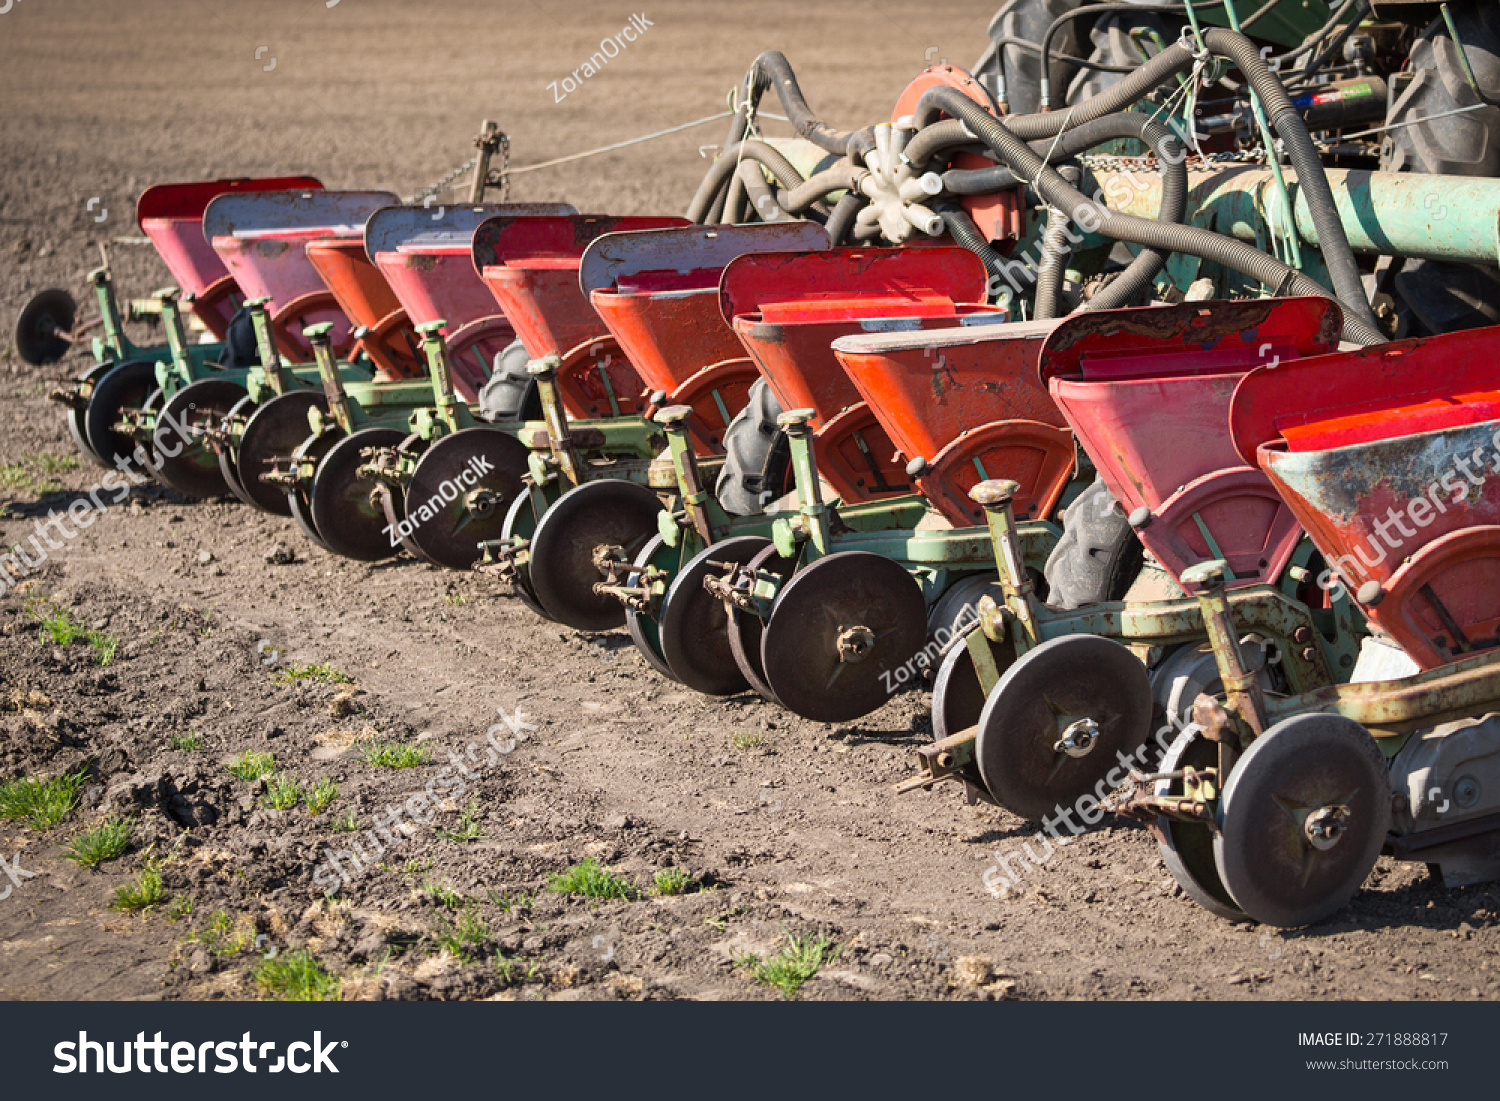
(783, 827)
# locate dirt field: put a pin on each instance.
(784, 826)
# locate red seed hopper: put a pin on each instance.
(1147, 393)
(385, 332)
(531, 268)
(657, 291)
(425, 255)
(262, 240)
(1388, 456)
(789, 308)
(171, 215)
(964, 404)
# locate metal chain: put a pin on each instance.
(442, 185)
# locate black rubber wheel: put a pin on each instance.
(1188, 851)
(594, 514)
(642, 628)
(1098, 556)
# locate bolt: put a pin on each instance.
(1325, 826)
(855, 644)
(1078, 739)
(995, 493)
(1466, 792)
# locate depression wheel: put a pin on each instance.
(521, 523)
(563, 574)
(299, 496)
(78, 418)
(275, 430)
(840, 634)
(1188, 850)
(1304, 815)
(343, 511)
(745, 629)
(182, 460)
(1052, 726)
(642, 628)
(126, 386)
(459, 493)
(694, 625)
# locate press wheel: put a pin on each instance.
(483, 467)
(194, 470)
(838, 634)
(126, 386)
(693, 626)
(227, 468)
(299, 496)
(77, 417)
(275, 430)
(1303, 818)
(957, 696)
(392, 499)
(1050, 697)
(643, 629)
(349, 521)
(521, 523)
(563, 574)
(745, 629)
(1188, 850)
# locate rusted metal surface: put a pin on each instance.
(1147, 393)
(788, 308)
(965, 399)
(1389, 457)
(615, 258)
(531, 267)
(171, 215)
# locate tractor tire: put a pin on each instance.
(511, 393)
(751, 453)
(1027, 20)
(1098, 555)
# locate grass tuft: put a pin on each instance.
(468, 824)
(250, 765)
(344, 823)
(297, 976)
(43, 803)
(465, 936)
(104, 842)
(323, 672)
(189, 742)
(282, 793)
(592, 880)
(673, 881)
(322, 796)
(141, 893)
(792, 966)
(224, 936)
(393, 754)
(64, 630)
